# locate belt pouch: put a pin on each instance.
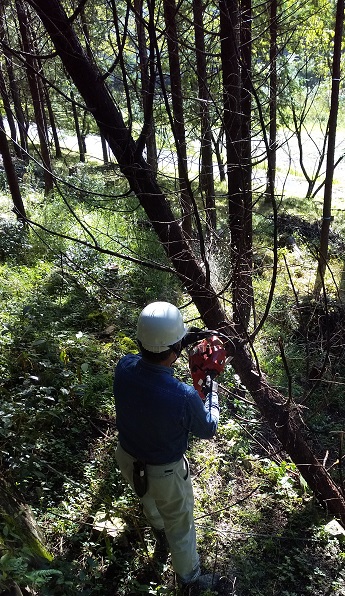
(139, 478)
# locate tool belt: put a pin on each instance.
(139, 478)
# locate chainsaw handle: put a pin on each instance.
(209, 382)
(194, 334)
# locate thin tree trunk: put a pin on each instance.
(6, 99)
(283, 419)
(81, 144)
(45, 100)
(246, 98)
(8, 111)
(147, 85)
(244, 287)
(58, 152)
(206, 178)
(229, 33)
(14, 88)
(104, 149)
(272, 142)
(299, 127)
(218, 143)
(333, 118)
(19, 112)
(85, 132)
(36, 97)
(170, 11)
(11, 175)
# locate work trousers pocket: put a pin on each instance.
(140, 478)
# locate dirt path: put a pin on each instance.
(290, 181)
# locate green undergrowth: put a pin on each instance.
(67, 314)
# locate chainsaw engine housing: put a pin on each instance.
(207, 357)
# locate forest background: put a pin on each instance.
(219, 187)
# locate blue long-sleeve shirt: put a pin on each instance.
(155, 412)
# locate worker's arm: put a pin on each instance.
(201, 417)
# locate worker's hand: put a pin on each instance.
(192, 335)
(209, 384)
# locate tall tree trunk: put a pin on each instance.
(206, 178)
(240, 214)
(11, 175)
(13, 88)
(104, 149)
(81, 144)
(218, 143)
(332, 126)
(229, 33)
(5, 97)
(45, 100)
(246, 99)
(244, 289)
(283, 419)
(147, 83)
(8, 112)
(48, 103)
(272, 141)
(19, 112)
(37, 100)
(170, 11)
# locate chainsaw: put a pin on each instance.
(207, 357)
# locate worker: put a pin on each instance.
(155, 412)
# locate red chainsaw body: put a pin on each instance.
(206, 357)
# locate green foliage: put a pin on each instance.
(65, 320)
(18, 569)
(14, 241)
(69, 312)
(62, 330)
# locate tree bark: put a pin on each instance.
(3, 89)
(58, 152)
(37, 99)
(283, 419)
(332, 125)
(206, 177)
(147, 83)
(11, 175)
(19, 112)
(243, 286)
(104, 149)
(229, 33)
(170, 12)
(272, 142)
(9, 115)
(237, 108)
(218, 143)
(246, 101)
(81, 144)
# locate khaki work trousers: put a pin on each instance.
(168, 503)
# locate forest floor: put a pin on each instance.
(62, 332)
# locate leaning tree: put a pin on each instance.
(283, 415)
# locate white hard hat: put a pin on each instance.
(160, 326)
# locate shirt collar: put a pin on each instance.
(156, 367)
